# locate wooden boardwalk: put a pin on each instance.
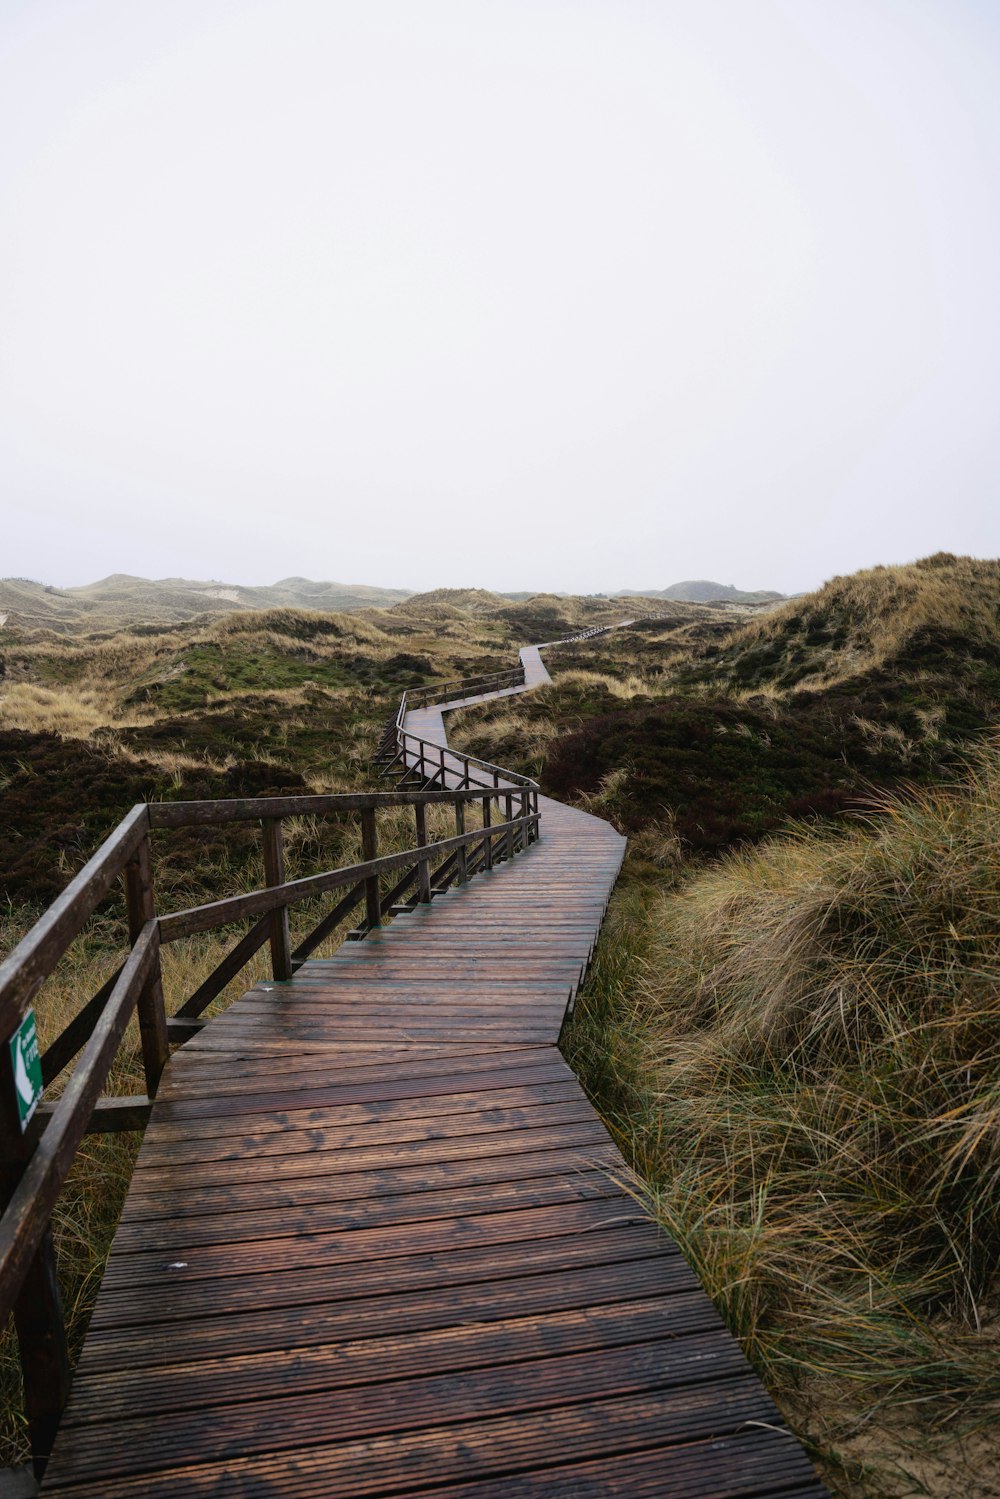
(376, 1241)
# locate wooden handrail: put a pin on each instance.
(443, 692)
(252, 809)
(413, 743)
(255, 903)
(398, 741)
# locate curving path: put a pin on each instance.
(376, 1244)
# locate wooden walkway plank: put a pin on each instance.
(377, 1241)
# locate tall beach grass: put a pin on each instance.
(798, 1049)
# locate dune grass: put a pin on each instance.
(798, 1049)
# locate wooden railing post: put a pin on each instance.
(424, 864)
(444, 774)
(487, 841)
(508, 817)
(274, 874)
(462, 860)
(150, 1007)
(38, 1314)
(369, 850)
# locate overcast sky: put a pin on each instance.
(548, 294)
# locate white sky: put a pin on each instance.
(572, 294)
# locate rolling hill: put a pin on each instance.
(123, 599)
(702, 591)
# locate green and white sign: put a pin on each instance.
(26, 1062)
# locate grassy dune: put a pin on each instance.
(732, 724)
(915, 618)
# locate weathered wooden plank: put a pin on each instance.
(330, 1246)
(400, 1462)
(112, 1115)
(249, 1227)
(290, 1422)
(393, 1155)
(257, 1146)
(249, 1080)
(443, 1111)
(453, 1085)
(251, 808)
(289, 1193)
(402, 1353)
(609, 1261)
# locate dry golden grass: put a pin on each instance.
(806, 1074)
(75, 712)
(623, 687)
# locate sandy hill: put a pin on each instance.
(468, 600)
(935, 616)
(122, 599)
(702, 591)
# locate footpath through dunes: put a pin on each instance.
(376, 1241)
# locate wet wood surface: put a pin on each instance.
(378, 1242)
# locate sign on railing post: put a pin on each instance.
(26, 1065)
